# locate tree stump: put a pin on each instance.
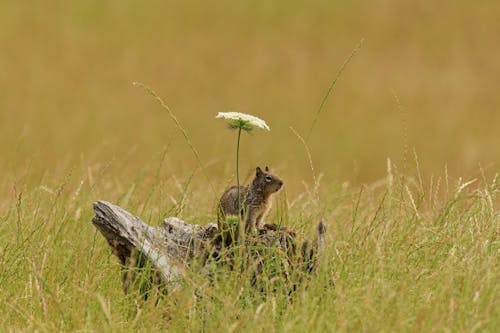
(172, 247)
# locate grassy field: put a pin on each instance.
(405, 157)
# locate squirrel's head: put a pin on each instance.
(267, 181)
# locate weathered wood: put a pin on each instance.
(171, 247)
(167, 247)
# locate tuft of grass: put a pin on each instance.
(400, 256)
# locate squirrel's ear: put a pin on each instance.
(258, 171)
(267, 168)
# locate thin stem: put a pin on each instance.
(309, 156)
(178, 125)
(240, 226)
(238, 170)
(332, 85)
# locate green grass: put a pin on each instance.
(401, 256)
(413, 247)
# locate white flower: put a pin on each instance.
(243, 120)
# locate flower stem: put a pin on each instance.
(238, 171)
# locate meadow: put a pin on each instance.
(402, 162)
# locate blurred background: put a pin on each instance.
(67, 99)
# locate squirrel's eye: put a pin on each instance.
(268, 178)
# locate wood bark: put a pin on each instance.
(171, 247)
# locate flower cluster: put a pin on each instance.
(243, 121)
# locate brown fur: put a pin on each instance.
(254, 200)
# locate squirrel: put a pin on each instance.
(254, 199)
